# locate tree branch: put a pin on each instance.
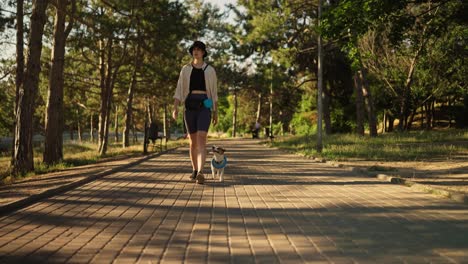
(77, 18)
(4, 76)
(72, 21)
(305, 81)
(432, 8)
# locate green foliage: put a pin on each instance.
(7, 20)
(341, 121)
(278, 128)
(307, 103)
(267, 27)
(225, 109)
(303, 121)
(442, 71)
(7, 93)
(386, 37)
(273, 45)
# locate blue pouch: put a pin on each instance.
(208, 103)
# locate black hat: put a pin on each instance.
(200, 45)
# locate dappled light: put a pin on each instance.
(272, 206)
(344, 122)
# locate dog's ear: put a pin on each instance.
(223, 149)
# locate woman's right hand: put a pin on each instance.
(175, 112)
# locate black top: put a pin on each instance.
(197, 80)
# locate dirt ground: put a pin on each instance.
(449, 175)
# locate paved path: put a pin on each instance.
(21, 192)
(272, 208)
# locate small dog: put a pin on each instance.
(218, 163)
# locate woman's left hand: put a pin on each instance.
(215, 118)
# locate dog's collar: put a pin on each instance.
(219, 165)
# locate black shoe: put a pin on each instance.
(194, 175)
(200, 178)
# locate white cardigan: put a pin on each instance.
(183, 84)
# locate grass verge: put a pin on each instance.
(409, 146)
(76, 154)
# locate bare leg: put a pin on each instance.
(201, 143)
(193, 150)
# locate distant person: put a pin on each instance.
(256, 130)
(197, 90)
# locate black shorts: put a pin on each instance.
(197, 119)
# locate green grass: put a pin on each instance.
(412, 146)
(76, 154)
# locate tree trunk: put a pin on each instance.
(105, 141)
(259, 108)
(384, 123)
(23, 154)
(391, 123)
(429, 115)
(111, 76)
(106, 94)
(103, 98)
(410, 121)
(150, 112)
(145, 135)
(449, 114)
(128, 116)
(406, 95)
(319, 80)
(134, 132)
(421, 120)
(270, 129)
(165, 126)
(78, 126)
(80, 135)
(72, 135)
(426, 117)
(434, 120)
(234, 115)
(369, 103)
(53, 149)
(116, 124)
(130, 94)
(148, 120)
(91, 128)
(359, 105)
(19, 62)
(326, 112)
(19, 49)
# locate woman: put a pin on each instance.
(197, 83)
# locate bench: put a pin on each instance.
(254, 133)
(154, 135)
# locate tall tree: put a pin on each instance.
(359, 105)
(346, 21)
(19, 57)
(23, 149)
(106, 69)
(53, 150)
(275, 32)
(19, 48)
(131, 90)
(113, 54)
(319, 81)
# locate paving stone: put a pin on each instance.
(272, 208)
